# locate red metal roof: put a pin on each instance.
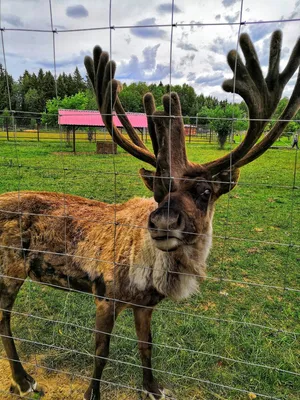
(93, 118)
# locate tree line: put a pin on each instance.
(30, 93)
(34, 95)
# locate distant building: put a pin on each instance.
(93, 118)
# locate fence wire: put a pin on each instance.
(185, 316)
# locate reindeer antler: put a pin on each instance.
(166, 129)
(101, 73)
(261, 96)
(171, 158)
(168, 163)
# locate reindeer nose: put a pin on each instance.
(166, 219)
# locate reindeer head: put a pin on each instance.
(186, 192)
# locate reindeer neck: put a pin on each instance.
(173, 274)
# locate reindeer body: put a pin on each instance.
(75, 243)
(135, 254)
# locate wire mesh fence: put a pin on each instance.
(238, 338)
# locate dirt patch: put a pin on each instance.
(56, 386)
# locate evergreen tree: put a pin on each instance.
(79, 84)
(48, 88)
(40, 79)
(32, 101)
(4, 98)
(25, 82)
(33, 81)
(61, 86)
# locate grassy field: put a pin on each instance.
(237, 337)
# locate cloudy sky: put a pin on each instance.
(141, 38)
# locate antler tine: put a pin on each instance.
(274, 59)
(170, 164)
(261, 95)
(110, 69)
(101, 72)
(149, 106)
(127, 125)
(288, 113)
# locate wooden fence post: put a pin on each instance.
(74, 140)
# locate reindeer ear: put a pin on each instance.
(148, 178)
(225, 181)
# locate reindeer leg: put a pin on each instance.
(22, 382)
(142, 318)
(105, 318)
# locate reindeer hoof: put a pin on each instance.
(168, 394)
(164, 394)
(91, 395)
(33, 391)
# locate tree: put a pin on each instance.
(77, 102)
(62, 86)
(79, 84)
(221, 120)
(188, 100)
(32, 100)
(292, 126)
(48, 87)
(132, 96)
(91, 100)
(16, 96)
(157, 91)
(40, 79)
(4, 80)
(6, 120)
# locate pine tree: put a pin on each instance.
(40, 79)
(4, 99)
(79, 84)
(48, 86)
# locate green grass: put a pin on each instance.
(261, 222)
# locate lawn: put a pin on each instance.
(238, 337)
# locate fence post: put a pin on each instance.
(7, 132)
(38, 130)
(74, 141)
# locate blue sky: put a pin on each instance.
(140, 42)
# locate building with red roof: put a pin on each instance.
(93, 118)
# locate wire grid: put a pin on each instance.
(183, 313)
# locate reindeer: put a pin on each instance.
(133, 255)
